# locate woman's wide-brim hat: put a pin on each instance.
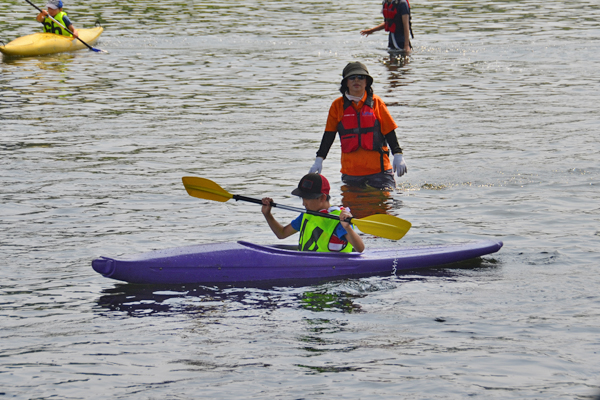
(357, 68)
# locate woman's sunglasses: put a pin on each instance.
(359, 77)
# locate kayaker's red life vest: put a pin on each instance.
(390, 11)
(360, 129)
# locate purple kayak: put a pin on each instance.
(243, 262)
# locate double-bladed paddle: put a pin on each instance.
(382, 225)
(68, 30)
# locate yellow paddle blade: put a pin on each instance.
(383, 225)
(205, 189)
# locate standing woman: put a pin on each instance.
(367, 133)
(396, 16)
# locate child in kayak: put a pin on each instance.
(55, 10)
(316, 233)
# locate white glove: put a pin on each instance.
(399, 165)
(317, 166)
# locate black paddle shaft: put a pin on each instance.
(237, 197)
(34, 5)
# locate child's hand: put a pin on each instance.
(266, 207)
(345, 214)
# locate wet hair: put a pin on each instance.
(344, 86)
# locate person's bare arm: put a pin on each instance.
(41, 16)
(367, 32)
(74, 31)
(279, 230)
(405, 24)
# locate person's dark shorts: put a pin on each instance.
(382, 180)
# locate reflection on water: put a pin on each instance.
(51, 62)
(397, 65)
(148, 300)
(41, 80)
(335, 296)
(368, 201)
(324, 301)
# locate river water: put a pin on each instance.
(499, 122)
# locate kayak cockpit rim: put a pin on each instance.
(293, 249)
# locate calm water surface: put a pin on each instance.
(499, 122)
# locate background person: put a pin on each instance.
(366, 129)
(396, 15)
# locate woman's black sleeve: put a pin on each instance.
(326, 142)
(392, 142)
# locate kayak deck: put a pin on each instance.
(42, 43)
(232, 262)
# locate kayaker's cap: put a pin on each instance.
(356, 68)
(312, 186)
(54, 4)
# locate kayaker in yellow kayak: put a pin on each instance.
(55, 10)
(316, 233)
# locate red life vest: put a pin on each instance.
(360, 129)
(390, 10)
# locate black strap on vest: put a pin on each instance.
(314, 238)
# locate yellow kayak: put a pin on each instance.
(39, 44)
